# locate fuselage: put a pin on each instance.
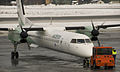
(68, 42)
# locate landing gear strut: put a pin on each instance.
(86, 63)
(15, 54)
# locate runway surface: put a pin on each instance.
(44, 60)
(64, 19)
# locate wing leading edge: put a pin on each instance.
(75, 28)
(106, 26)
(27, 29)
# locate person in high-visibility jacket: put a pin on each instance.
(114, 53)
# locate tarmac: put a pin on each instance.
(45, 60)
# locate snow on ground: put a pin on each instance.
(62, 10)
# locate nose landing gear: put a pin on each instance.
(15, 54)
(86, 63)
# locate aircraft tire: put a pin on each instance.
(17, 55)
(14, 55)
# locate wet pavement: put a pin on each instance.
(45, 60)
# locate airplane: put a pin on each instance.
(55, 38)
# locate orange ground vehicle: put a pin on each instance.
(102, 56)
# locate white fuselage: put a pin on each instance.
(61, 41)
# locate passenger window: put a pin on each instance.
(80, 41)
(87, 41)
(73, 41)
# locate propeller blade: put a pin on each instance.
(93, 25)
(101, 25)
(21, 28)
(29, 28)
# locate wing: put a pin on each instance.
(27, 29)
(4, 29)
(98, 27)
(34, 29)
(107, 26)
(75, 28)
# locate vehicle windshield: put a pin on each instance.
(104, 51)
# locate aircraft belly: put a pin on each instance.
(45, 43)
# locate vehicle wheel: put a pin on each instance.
(106, 67)
(91, 67)
(95, 67)
(110, 67)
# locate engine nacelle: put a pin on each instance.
(11, 29)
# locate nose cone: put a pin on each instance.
(85, 50)
(88, 50)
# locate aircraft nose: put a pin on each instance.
(84, 50)
(87, 50)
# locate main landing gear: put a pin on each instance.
(86, 63)
(14, 53)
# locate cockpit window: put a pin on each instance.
(87, 40)
(80, 41)
(73, 41)
(77, 41)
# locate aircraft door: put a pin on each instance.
(60, 43)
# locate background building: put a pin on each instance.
(5, 2)
(60, 2)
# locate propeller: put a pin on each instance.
(94, 32)
(24, 35)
